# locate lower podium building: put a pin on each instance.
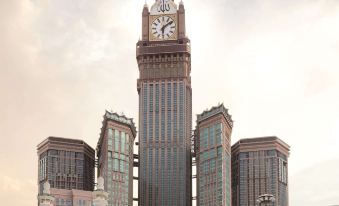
(213, 156)
(260, 168)
(72, 197)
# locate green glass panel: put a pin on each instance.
(123, 141)
(116, 140)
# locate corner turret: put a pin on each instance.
(181, 17)
(145, 17)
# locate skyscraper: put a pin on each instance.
(165, 107)
(213, 155)
(115, 158)
(259, 167)
(68, 166)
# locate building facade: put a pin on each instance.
(165, 107)
(71, 197)
(213, 156)
(259, 167)
(115, 158)
(67, 164)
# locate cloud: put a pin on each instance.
(17, 191)
(322, 181)
(9, 184)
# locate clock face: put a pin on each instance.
(163, 28)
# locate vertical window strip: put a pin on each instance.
(157, 112)
(169, 111)
(144, 121)
(116, 140)
(163, 91)
(175, 112)
(150, 117)
(123, 142)
(181, 110)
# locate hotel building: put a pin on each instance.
(68, 165)
(213, 156)
(115, 158)
(260, 167)
(165, 107)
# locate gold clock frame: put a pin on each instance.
(153, 17)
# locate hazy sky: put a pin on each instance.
(273, 63)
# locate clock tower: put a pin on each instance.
(165, 107)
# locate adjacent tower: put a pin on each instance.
(115, 158)
(68, 166)
(213, 155)
(260, 168)
(165, 107)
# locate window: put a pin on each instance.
(283, 171)
(116, 165)
(123, 142)
(127, 139)
(110, 133)
(212, 137)
(205, 138)
(122, 166)
(116, 140)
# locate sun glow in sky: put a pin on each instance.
(274, 64)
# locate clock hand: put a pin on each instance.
(163, 28)
(166, 25)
